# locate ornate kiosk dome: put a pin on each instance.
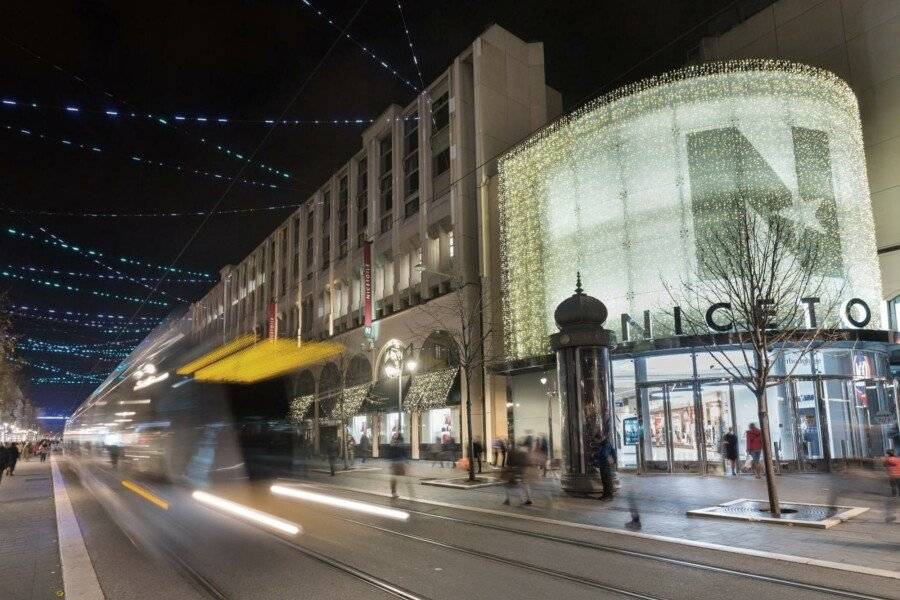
(580, 309)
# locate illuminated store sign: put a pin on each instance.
(630, 188)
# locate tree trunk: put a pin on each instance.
(469, 441)
(774, 506)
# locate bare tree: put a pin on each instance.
(769, 275)
(460, 315)
(10, 367)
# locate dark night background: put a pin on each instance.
(242, 60)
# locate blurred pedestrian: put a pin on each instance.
(332, 450)
(515, 474)
(12, 458)
(397, 456)
(500, 452)
(365, 446)
(478, 451)
(4, 459)
(754, 448)
(730, 450)
(437, 452)
(43, 450)
(892, 465)
(604, 461)
(26, 452)
(541, 454)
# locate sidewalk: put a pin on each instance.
(663, 501)
(29, 550)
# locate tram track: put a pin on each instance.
(799, 585)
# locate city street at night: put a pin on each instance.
(490, 299)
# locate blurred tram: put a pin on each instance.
(147, 418)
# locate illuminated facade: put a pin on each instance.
(627, 189)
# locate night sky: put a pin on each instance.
(241, 61)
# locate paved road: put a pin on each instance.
(141, 550)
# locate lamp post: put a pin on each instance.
(397, 360)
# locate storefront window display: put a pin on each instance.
(389, 427)
(439, 431)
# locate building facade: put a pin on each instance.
(630, 190)
(857, 41)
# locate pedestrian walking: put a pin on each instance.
(604, 460)
(43, 450)
(478, 451)
(541, 454)
(398, 462)
(516, 476)
(754, 448)
(730, 450)
(500, 452)
(892, 466)
(4, 459)
(365, 446)
(332, 450)
(12, 458)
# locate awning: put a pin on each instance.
(431, 389)
(383, 396)
(353, 398)
(301, 408)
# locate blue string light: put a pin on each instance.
(82, 275)
(184, 117)
(143, 161)
(57, 242)
(117, 215)
(100, 326)
(74, 313)
(156, 119)
(47, 348)
(48, 283)
(365, 50)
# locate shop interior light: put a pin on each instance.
(247, 513)
(363, 507)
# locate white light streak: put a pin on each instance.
(363, 507)
(247, 513)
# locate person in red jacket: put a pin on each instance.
(892, 465)
(754, 447)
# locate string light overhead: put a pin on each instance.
(57, 242)
(365, 50)
(183, 116)
(82, 275)
(49, 283)
(75, 313)
(140, 160)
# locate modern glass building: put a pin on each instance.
(628, 189)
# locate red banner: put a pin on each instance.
(271, 321)
(367, 287)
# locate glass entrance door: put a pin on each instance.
(670, 427)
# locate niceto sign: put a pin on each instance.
(634, 188)
(856, 314)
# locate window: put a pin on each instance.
(386, 187)
(440, 111)
(451, 247)
(411, 165)
(441, 161)
(362, 200)
(296, 237)
(309, 251)
(326, 251)
(343, 211)
(326, 208)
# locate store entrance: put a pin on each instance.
(684, 427)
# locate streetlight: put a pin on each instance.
(396, 362)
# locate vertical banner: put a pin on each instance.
(367, 288)
(271, 321)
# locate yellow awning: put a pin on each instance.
(267, 359)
